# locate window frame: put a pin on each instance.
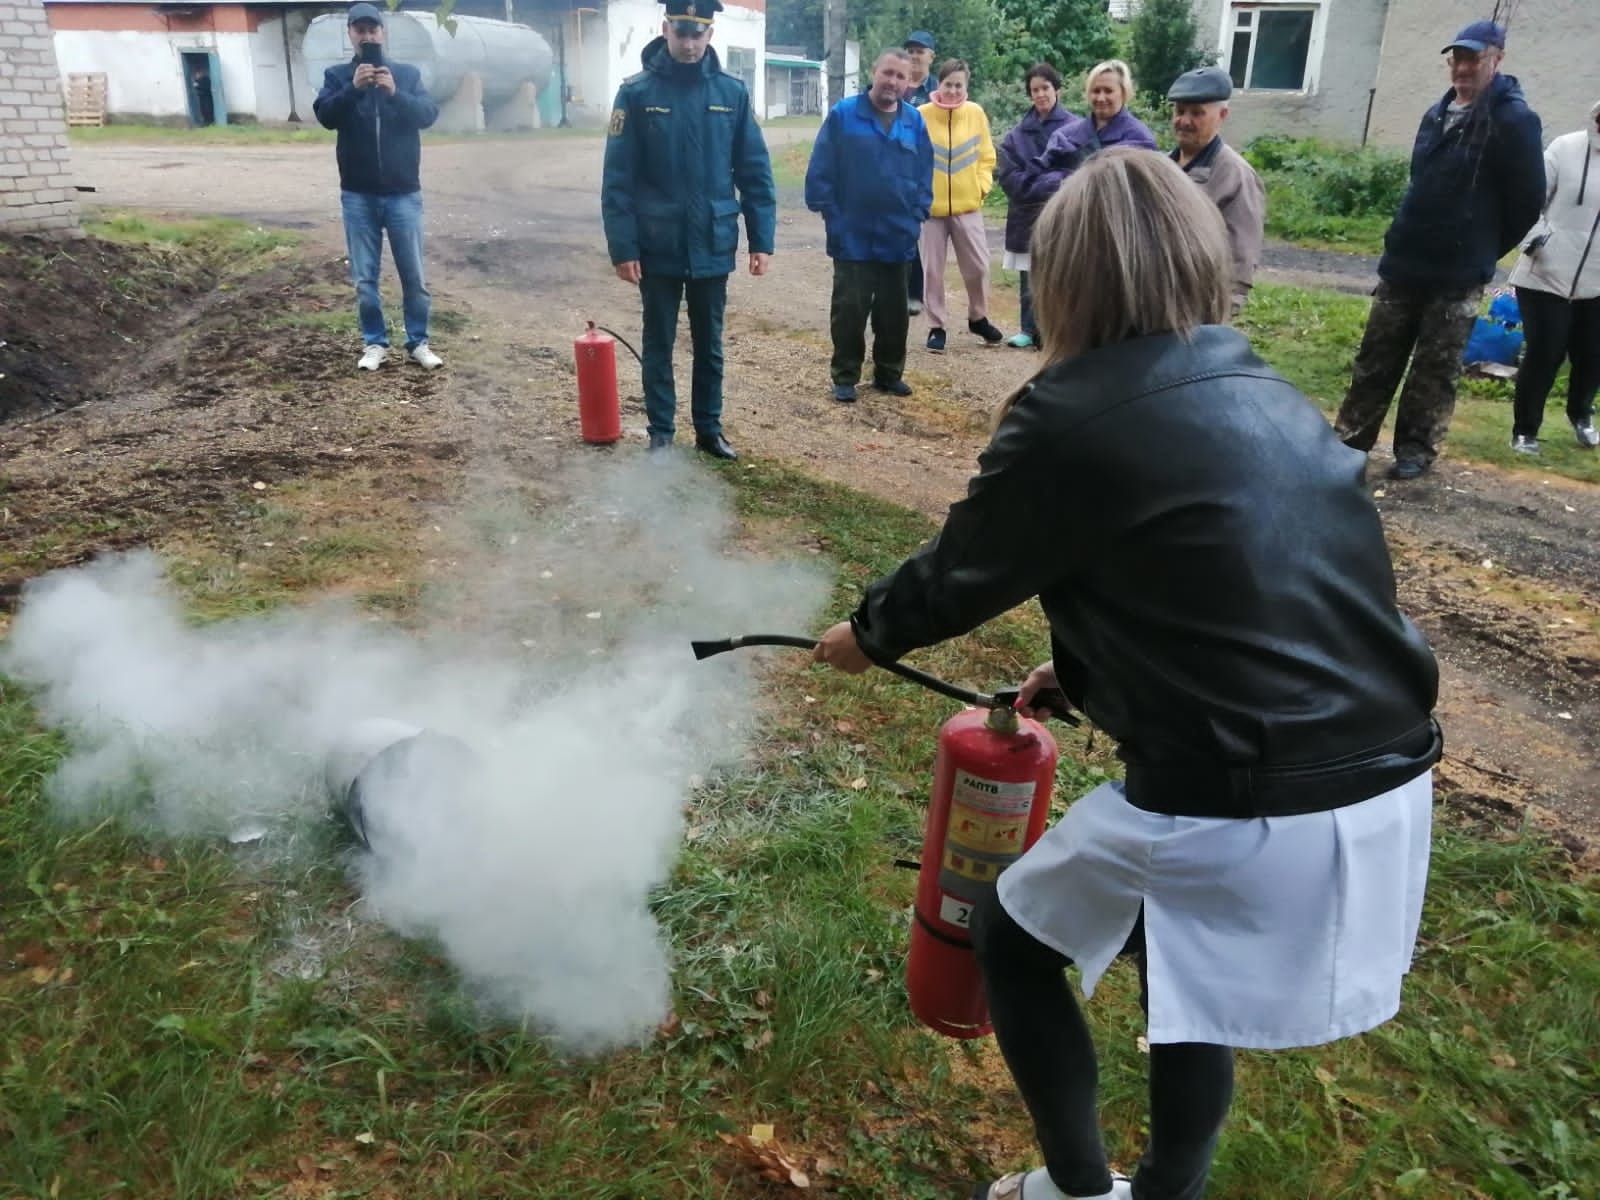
(1231, 11)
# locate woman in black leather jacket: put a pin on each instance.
(1221, 602)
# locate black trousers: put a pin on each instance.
(863, 292)
(1047, 1046)
(1558, 330)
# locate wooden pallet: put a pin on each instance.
(86, 98)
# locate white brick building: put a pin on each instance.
(36, 191)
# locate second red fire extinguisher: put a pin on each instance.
(599, 410)
(991, 799)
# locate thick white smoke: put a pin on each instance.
(557, 659)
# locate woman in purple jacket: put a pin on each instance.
(1016, 171)
(1109, 90)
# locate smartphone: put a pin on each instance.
(1536, 245)
(372, 54)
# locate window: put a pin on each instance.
(742, 65)
(1270, 46)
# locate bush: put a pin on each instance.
(1320, 192)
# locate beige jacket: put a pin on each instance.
(1567, 264)
(1236, 189)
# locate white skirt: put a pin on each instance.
(1263, 933)
(1014, 261)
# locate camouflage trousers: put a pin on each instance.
(1430, 330)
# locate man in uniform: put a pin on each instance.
(1199, 107)
(1477, 185)
(684, 158)
(919, 91)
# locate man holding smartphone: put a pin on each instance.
(379, 109)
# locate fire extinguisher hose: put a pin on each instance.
(1049, 700)
(624, 341)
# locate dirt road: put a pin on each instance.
(1503, 572)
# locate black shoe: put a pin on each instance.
(985, 329)
(936, 340)
(845, 393)
(895, 387)
(660, 441)
(715, 445)
(1407, 468)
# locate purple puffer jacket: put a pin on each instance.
(1075, 143)
(1016, 170)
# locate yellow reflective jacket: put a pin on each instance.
(963, 157)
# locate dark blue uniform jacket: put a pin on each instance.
(684, 158)
(380, 150)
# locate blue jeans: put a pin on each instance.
(708, 299)
(366, 218)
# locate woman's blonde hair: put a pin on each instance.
(1112, 66)
(1128, 247)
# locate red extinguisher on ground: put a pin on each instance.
(599, 410)
(992, 782)
(991, 798)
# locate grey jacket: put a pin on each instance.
(1236, 189)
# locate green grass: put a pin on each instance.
(201, 237)
(152, 1049)
(1312, 337)
(207, 135)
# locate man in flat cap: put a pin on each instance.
(380, 108)
(1199, 107)
(684, 158)
(1477, 186)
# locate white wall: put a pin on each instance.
(272, 88)
(144, 71)
(630, 26)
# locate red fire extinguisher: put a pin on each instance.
(599, 411)
(991, 799)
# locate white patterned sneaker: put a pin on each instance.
(424, 357)
(1588, 436)
(372, 358)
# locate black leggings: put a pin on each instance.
(1047, 1046)
(1557, 329)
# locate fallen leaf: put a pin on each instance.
(1504, 1061)
(844, 726)
(858, 783)
(760, 1135)
(366, 1138)
(1143, 1044)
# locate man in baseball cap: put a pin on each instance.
(1477, 186)
(379, 108)
(1199, 107)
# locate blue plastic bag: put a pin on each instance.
(1497, 338)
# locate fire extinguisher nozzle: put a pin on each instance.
(704, 650)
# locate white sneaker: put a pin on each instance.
(1523, 444)
(424, 357)
(1588, 436)
(372, 358)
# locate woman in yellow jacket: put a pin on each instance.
(963, 173)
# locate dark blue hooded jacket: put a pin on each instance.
(683, 141)
(380, 147)
(873, 187)
(1474, 192)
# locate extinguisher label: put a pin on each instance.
(988, 825)
(955, 911)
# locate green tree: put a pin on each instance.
(796, 23)
(1165, 44)
(1070, 35)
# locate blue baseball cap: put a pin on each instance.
(1478, 37)
(919, 37)
(364, 12)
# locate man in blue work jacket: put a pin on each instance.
(684, 158)
(871, 178)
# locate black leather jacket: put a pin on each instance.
(1219, 592)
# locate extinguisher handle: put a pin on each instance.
(1047, 702)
